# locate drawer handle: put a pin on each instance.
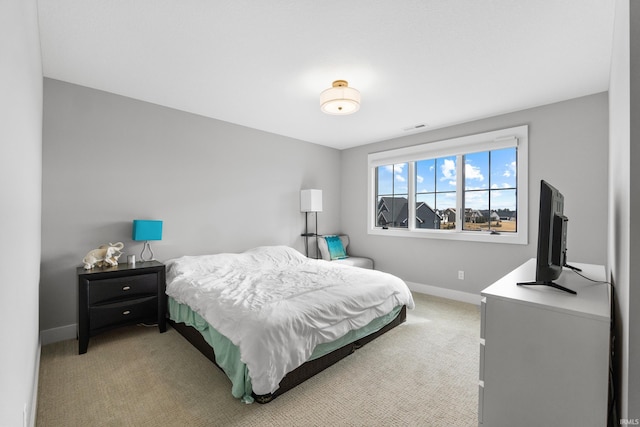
(126, 312)
(126, 288)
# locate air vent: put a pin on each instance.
(414, 127)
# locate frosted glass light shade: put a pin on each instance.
(340, 99)
(311, 201)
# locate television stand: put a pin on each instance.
(551, 347)
(553, 285)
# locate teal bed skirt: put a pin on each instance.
(227, 354)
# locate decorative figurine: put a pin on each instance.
(105, 255)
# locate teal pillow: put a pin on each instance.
(336, 249)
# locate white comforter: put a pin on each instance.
(276, 305)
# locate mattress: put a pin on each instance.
(227, 355)
(276, 306)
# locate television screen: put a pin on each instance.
(552, 238)
(551, 247)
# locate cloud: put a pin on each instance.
(476, 200)
(503, 185)
(419, 179)
(510, 169)
(448, 170)
(395, 168)
(473, 172)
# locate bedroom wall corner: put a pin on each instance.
(21, 175)
(217, 186)
(624, 203)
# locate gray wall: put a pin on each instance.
(20, 193)
(218, 187)
(624, 204)
(568, 145)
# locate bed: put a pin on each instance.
(270, 317)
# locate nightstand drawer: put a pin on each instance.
(123, 312)
(114, 296)
(105, 290)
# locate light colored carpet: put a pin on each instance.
(422, 373)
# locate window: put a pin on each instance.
(468, 188)
(490, 191)
(392, 196)
(435, 192)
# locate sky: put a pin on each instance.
(489, 180)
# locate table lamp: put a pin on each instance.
(145, 230)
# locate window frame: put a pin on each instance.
(488, 141)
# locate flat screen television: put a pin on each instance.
(552, 238)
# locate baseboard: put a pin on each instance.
(30, 417)
(61, 333)
(445, 293)
(69, 332)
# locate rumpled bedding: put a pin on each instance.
(276, 305)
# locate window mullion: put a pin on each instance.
(460, 192)
(373, 194)
(411, 208)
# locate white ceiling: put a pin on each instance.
(263, 64)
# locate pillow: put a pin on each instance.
(324, 250)
(336, 249)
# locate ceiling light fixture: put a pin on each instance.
(340, 99)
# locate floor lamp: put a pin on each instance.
(310, 201)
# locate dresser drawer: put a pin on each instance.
(105, 290)
(123, 312)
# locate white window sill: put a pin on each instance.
(518, 238)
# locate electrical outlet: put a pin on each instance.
(461, 274)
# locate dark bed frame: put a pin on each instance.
(303, 372)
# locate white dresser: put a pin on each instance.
(544, 353)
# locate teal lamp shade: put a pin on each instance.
(145, 230)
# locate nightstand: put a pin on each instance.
(110, 297)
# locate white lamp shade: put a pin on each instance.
(340, 99)
(311, 201)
